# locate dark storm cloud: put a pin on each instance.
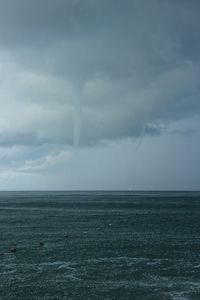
(135, 62)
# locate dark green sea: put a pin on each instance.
(100, 245)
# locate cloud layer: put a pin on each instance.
(134, 65)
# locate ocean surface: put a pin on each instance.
(100, 245)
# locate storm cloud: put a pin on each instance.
(135, 63)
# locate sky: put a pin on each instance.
(99, 95)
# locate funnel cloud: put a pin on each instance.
(77, 121)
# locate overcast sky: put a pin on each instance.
(99, 94)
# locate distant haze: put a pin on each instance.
(99, 94)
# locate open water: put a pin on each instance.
(100, 245)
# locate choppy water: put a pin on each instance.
(99, 245)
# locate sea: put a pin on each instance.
(100, 245)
